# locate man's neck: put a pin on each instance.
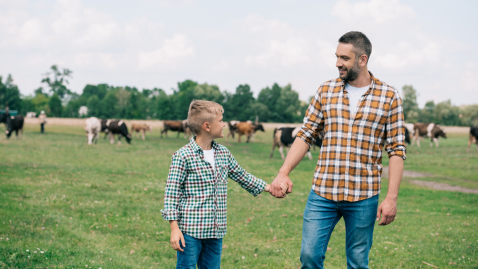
(204, 142)
(363, 80)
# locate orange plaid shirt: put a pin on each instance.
(350, 161)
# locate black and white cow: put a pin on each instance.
(473, 137)
(118, 127)
(432, 130)
(104, 127)
(12, 124)
(285, 137)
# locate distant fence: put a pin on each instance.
(159, 124)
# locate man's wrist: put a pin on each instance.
(392, 197)
(284, 171)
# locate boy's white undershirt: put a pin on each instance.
(354, 96)
(209, 157)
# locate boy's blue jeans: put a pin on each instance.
(321, 216)
(206, 253)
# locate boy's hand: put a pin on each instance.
(176, 236)
(284, 187)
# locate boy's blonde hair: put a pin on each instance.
(202, 111)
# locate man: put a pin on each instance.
(42, 119)
(358, 113)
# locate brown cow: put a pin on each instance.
(233, 129)
(177, 125)
(473, 137)
(141, 128)
(432, 130)
(244, 128)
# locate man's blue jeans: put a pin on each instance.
(321, 216)
(206, 253)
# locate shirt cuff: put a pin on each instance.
(400, 153)
(170, 214)
(307, 139)
(260, 186)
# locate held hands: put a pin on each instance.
(283, 187)
(277, 184)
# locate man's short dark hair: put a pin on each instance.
(360, 42)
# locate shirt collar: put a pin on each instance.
(197, 148)
(372, 85)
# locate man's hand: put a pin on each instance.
(276, 189)
(388, 210)
(176, 236)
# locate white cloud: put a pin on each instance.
(174, 49)
(375, 10)
(286, 53)
(407, 55)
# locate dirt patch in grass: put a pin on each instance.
(430, 184)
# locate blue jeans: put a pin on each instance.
(206, 253)
(321, 216)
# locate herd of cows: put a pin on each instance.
(283, 136)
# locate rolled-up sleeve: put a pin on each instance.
(313, 120)
(250, 183)
(395, 129)
(177, 174)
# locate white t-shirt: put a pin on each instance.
(354, 96)
(209, 157)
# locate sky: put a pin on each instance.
(146, 44)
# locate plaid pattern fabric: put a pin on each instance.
(196, 196)
(350, 161)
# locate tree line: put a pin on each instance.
(273, 104)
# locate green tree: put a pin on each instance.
(93, 105)
(9, 94)
(469, 115)
(108, 105)
(238, 106)
(57, 80)
(409, 103)
(447, 114)
(426, 114)
(54, 103)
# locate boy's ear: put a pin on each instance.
(206, 127)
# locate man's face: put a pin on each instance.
(217, 127)
(347, 62)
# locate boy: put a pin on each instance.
(196, 191)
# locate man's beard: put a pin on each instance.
(352, 73)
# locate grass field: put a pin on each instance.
(64, 204)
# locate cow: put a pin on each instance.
(12, 123)
(285, 137)
(118, 127)
(233, 129)
(141, 128)
(104, 127)
(408, 132)
(244, 128)
(187, 131)
(177, 125)
(92, 128)
(473, 137)
(432, 130)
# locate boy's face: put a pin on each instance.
(216, 127)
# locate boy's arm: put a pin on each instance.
(177, 174)
(247, 181)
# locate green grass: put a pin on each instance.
(99, 206)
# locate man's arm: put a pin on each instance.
(313, 124)
(395, 137)
(388, 208)
(294, 156)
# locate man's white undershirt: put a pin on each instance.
(354, 96)
(209, 157)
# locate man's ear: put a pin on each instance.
(363, 60)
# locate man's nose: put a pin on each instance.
(338, 63)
